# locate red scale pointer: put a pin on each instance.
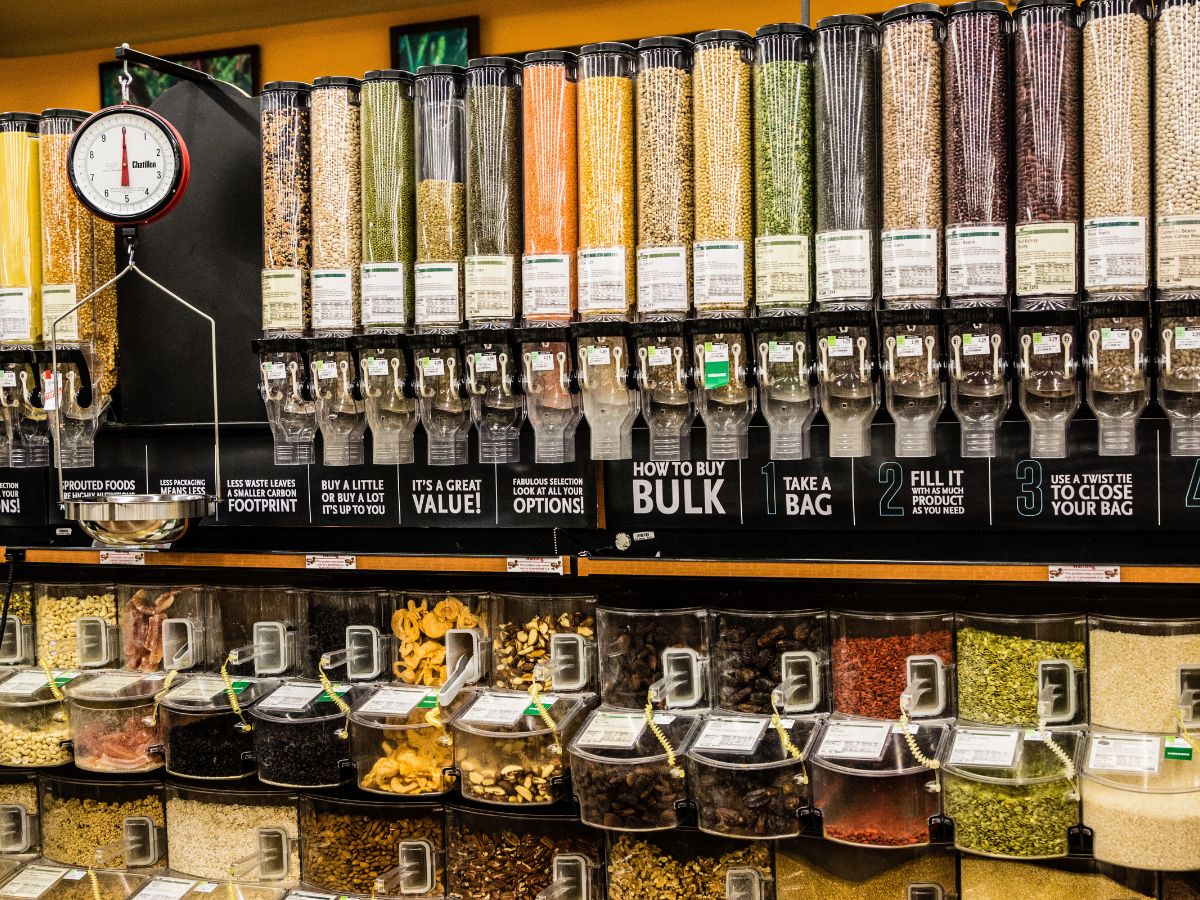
(124, 160)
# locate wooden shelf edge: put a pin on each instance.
(283, 560)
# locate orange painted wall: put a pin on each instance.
(351, 46)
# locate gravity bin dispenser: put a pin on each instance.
(847, 378)
(1177, 327)
(552, 400)
(726, 395)
(386, 383)
(783, 366)
(610, 395)
(978, 375)
(911, 355)
(668, 399)
(285, 385)
(493, 381)
(1046, 346)
(1116, 366)
(444, 404)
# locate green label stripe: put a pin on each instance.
(331, 274)
(374, 269)
(269, 275)
(705, 247)
(773, 242)
(599, 254)
(993, 233)
(428, 702)
(675, 255)
(488, 262)
(844, 237)
(545, 260)
(424, 269)
(55, 291)
(1184, 222)
(1035, 230)
(908, 237)
(1112, 224)
(1182, 753)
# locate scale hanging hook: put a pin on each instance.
(125, 79)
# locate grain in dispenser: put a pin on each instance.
(287, 207)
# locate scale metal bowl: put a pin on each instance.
(138, 520)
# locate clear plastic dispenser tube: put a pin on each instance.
(912, 375)
(552, 403)
(610, 398)
(445, 411)
(1118, 384)
(977, 366)
(341, 414)
(385, 375)
(1177, 331)
(1047, 354)
(285, 385)
(497, 407)
(722, 361)
(668, 401)
(846, 379)
(783, 367)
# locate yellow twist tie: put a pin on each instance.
(95, 884)
(915, 749)
(230, 890)
(534, 692)
(648, 712)
(433, 716)
(55, 690)
(337, 700)
(1183, 734)
(786, 742)
(158, 697)
(233, 700)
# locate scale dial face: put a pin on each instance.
(128, 165)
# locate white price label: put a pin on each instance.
(122, 557)
(909, 345)
(780, 351)
(502, 709)
(33, 881)
(984, 748)
(719, 274)
(201, 689)
(910, 262)
(598, 355)
(377, 366)
(435, 290)
(274, 370)
(293, 697)
(662, 280)
(489, 287)
(839, 345)
(976, 344)
(165, 889)
(395, 701)
(1178, 247)
(1125, 753)
(781, 271)
(976, 260)
(8, 378)
(855, 740)
(1114, 252)
(282, 300)
(613, 730)
(207, 887)
(326, 369)
(56, 300)
(1187, 337)
(383, 289)
(75, 875)
(326, 561)
(485, 363)
(658, 356)
(433, 366)
(16, 315)
(541, 361)
(732, 735)
(1046, 343)
(1046, 259)
(716, 352)
(844, 265)
(602, 281)
(1114, 338)
(24, 684)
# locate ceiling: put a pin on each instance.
(33, 28)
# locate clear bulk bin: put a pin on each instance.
(1116, 366)
(1022, 670)
(1145, 673)
(747, 775)
(1116, 145)
(234, 890)
(509, 747)
(623, 775)
(846, 380)
(494, 854)
(497, 407)
(20, 838)
(722, 359)
(544, 639)
(286, 395)
(492, 280)
(659, 657)
(978, 211)
(912, 377)
(1141, 799)
(260, 630)
(441, 164)
(9, 867)
(1012, 794)
(443, 400)
(1047, 382)
(33, 719)
(429, 626)
(300, 734)
(26, 440)
(114, 726)
(554, 410)
(244, 832)
(388, 199)
(347, 844)
(846, 113)
(665, 207)
(1178, 338)
(688, 864)
(784, 179)
(1176, 144)
(385, 383)
(344, 635)
(978, 368)
(910, 89)
(668, 399)
(550, 182)
(607, 233)
(336, 205)
(20, 230)
(287, 208)
(809, 868)
(610, 399)
(877, 657)
(1048, 154)
(764, 655)
(878, 801)
(400, 746)
(164, 628)
(206, 736)
(723, 257)
(117, 824)
(784, 367)
(41, 882)
(1180, 885)
(17, 643)
(1079, 879)
(76, 625)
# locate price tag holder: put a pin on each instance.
(731, 735)
(855, 740)
(618, 730)
(166, 889)
(394, 701)
(1125, 753)
(298, 697)
(504, 709)
(984, 748)
(33, 881)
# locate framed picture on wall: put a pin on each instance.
(238, 66)
(446, 42)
